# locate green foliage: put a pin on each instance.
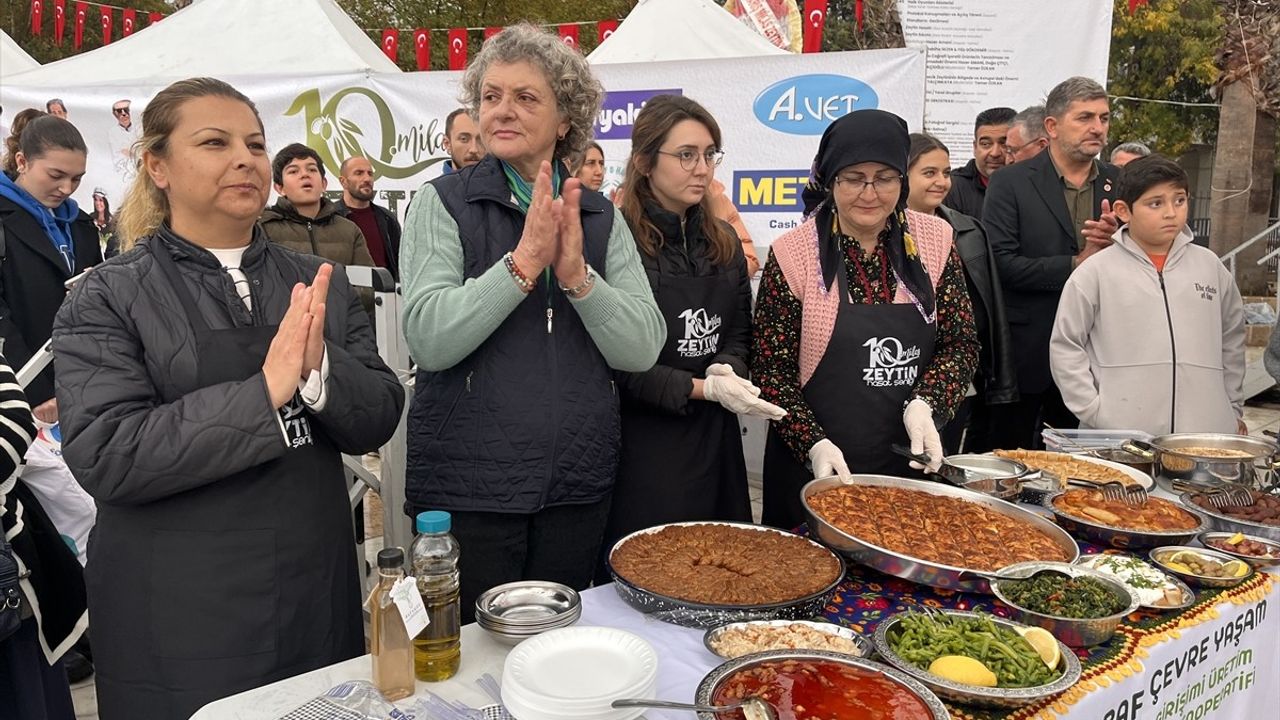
(1164, 51)
(15, 18)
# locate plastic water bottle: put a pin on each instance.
(437, 650)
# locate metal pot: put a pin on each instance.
(988, 474)
(1170, 464)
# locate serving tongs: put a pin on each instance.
(1219, 496)
(753, 708)
(1114, 491)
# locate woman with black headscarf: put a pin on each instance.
(863, 328)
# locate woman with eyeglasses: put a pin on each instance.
(681, 446)
(864, 330)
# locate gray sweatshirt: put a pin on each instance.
(1126, 358)
(446, 319)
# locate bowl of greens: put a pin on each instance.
(977, 659)
(1080, 606)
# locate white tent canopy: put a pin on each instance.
(13, 59)
(680, 30)
(225, 38)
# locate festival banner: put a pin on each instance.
(772, 117)
(391, 43)
(422, 48)
(105, 14)
(996, 57)
(59, 20)
(458, 49)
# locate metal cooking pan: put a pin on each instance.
(1170, 462)
(988, 474)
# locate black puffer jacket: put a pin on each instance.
(123, 345)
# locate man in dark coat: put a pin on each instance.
(1044, 217)
(379, 225)
(969, 183)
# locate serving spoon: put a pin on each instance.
(753, 708)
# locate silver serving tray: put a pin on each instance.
(1202, 580)
(1188, 595)
(687, 613)
(1226, 523)
(1254, 560)
(1125, 538)
(713, 680)
(947, 577)
(863, 644)
(998, 698)
(1076, 632)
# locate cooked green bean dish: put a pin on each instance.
(920, 639)
(1078, 597)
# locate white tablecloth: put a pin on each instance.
(683, 661)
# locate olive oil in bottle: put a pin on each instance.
(437, 650)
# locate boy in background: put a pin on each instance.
(1149, 333)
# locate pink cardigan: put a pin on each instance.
(797, 254)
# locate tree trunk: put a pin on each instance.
(1243, 173)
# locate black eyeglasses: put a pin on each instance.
(883, 184)
(689, 158)
(120, 111)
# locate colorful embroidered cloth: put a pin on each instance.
(866, 597)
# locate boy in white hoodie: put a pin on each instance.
(1149, 333)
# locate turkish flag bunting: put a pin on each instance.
(77, 35)
(569, 35)
(422, 47)
(106, 26)
(605, 28)
(491, 31)
(857, 12)
(390, 42)
(1135, 4)
(129, 23)
(59, 19)
(458, 49)
(153, 18)
(815, 16)
(37, 16)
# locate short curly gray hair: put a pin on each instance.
(578, 93)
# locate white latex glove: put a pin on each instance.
(737, 394)
(828, 460)
(918, 419)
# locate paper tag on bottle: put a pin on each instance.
(405, 595)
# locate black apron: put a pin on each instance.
(857, 394)
(233, 585)
(675, 468)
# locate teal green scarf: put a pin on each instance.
(522, 190)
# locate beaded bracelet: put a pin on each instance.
(524, 283)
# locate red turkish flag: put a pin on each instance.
(37, 16)
(569, 35)
(106, 26)
(129, 22)
(77, 35)
(422, 47)
(153, 18)
(605, 28)
(1135, 4)
(391, 43)
(59, 19)
(815, 17)
(491, 31)
(458, 49)
(857, 12)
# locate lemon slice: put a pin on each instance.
(964, 670)
(1235, 539)
(1179, 567)
(1235, 568)
(1044, 643)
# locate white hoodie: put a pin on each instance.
(1120, 326)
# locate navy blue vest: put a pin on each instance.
(530, 419)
